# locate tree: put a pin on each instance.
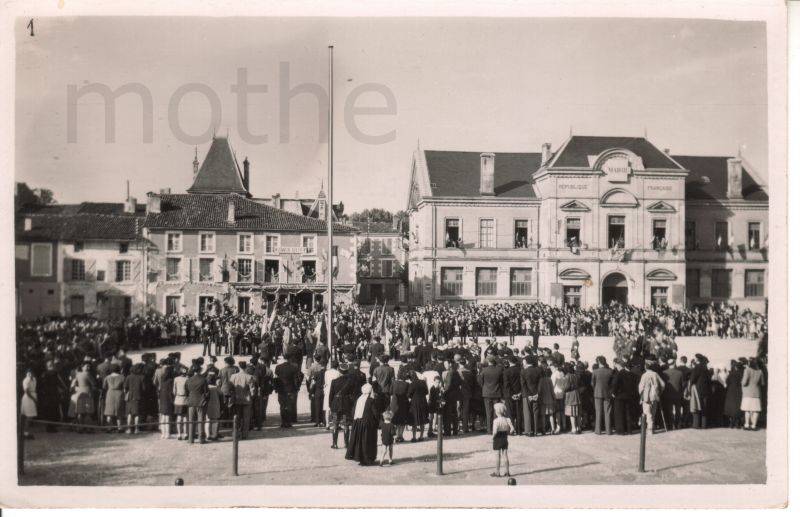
(26, 196)
(372, 214)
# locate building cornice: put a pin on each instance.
(479, 201)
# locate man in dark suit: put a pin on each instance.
(467, 388)
(529, 386)
(451, 387)
(376, 349)
(601, 383)
(511, 392)
(197, 393)
(558, 357)
(383, 377)
(423, 352)
(623, 391)
(490, 379)
(672, 398)
(686, 415)
(288, 379)
(342, 395)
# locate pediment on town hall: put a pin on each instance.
(662, 274)
(574, 274)
(661, 206)
(616, 164)
(619, 198)
(574, 206)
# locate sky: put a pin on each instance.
(471, 84)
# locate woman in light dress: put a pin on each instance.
(331, 374)
(114, 409)
(752, 380)
(82, 397)
(179, 390)
(29, 401)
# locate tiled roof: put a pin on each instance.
(375, 227)
(577, 150)
(78, 227)
(457, 173)
(84, 208)
(210, 211)
(220, 172)
(715, 169)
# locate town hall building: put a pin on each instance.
(599, 219)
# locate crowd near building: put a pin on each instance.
(598, 219)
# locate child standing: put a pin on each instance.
(387, 436)
(501, 428)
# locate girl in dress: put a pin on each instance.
(387, 437)
(752, 380)
(179, 391)
(547, 401)
(83, 397)
(114, 409)
(28, 404)
(572, 402)
(501, 428)
(165, 402)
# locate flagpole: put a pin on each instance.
(329, 325)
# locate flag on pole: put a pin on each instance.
(266, 323)
(373, 314)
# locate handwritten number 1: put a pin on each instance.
(30, 26)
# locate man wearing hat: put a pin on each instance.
(512, 390)
(197, 393)
(650, 388)
(490, 379)
(672, 398)
(467, 389)
(623, 390)
(243, 384)
(288, 379)
(601, 382)
(341, 398)
(383, 376)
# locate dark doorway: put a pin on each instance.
(615, 288)
(304, 300)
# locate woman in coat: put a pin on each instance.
(363, 445)
(733, 395)
(83, 395)
(399, 405)
(699, 392)
(418, 405)
(165, 402)
(752, 380)
(114, 409)
(572, 402)
(213, 408)
(547, 400)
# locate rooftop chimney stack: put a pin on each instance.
(734, 178)
(153, 203)
(28, 224)
(395, 222)
(546, 152)
(231, 213)
(487, 174)
(246, 166)
(276, 200)
(130, 205)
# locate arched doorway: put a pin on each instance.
(615, 288)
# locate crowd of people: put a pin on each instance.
(422, 363)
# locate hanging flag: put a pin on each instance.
(266, 323)
(372, 314)
(335, 271)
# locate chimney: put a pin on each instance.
(395, 222)
(130, 205)
(487, 174)
(167, 190)
(195, 164)
(734, 178)
(153, 203)
(322, 210)
(246, 166)
(546, 153)
(231, 212)
(276, 200)
(28, 224)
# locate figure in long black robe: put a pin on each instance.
(363, 446)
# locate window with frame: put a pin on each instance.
(244, 269)
(754, 236)
(206, 273)
(486, 281)
(452, 281)
(309, 244)
(174, 241)
(123, 247)
(245, 243)
(173, 305)
(41, 259)
(386, 268)
(659, 234)
(573, 237)
(101, 276)
(572, 295)
(123, 273)
(271, 271)
(309, 271)
(520, 233)
(487, 233)
(365, 246)
(173, 269)
(271, 244)
(616, 231)
(690, 235)
(521, 281)
(386, 246)
(78, 270)
(693, 283)
(658, 296)
(753, 283)
(452, 230)
(207, 243)
(721, 235)
(721, 283)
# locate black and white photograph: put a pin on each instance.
(436, 255)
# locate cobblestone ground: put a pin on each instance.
(302, 456)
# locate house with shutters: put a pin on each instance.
(381, 262)
(217, 242)
(83, 259)
(600, 219)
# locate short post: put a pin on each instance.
(439, 444)
(21, 446)
(235, 445)
(642, 443)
